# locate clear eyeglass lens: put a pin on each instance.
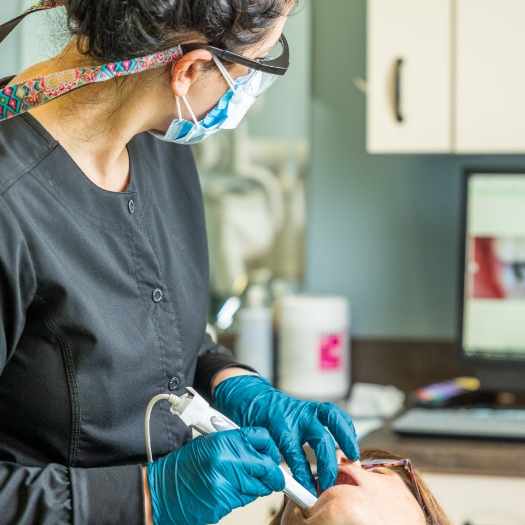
(275, 52)
(259, 83)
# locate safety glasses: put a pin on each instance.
(276, 62)
(262, 72)
(390, 463)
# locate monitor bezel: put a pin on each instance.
(504, 363)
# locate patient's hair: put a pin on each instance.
(433, 511)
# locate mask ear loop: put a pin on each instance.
(229, 80)
(179, 113)
(177, 100)
(225, 73)
(195, 121)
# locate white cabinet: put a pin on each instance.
(490, 76)
(460, 85)
(479, 500)
(409, 75)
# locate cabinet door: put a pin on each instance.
(490, 72)
(479, 500)
(409, 76)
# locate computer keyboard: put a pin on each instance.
(463, 422)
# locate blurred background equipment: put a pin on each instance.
(255, 207)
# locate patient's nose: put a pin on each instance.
(342, 459)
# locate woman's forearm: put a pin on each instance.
(228, 373)
(147, 498)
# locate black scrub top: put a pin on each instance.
(103, 300)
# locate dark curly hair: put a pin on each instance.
(113, 30)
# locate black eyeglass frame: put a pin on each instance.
(277, 66)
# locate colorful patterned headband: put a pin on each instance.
(27, 95)
(44, 4)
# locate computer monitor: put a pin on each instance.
(492, 325)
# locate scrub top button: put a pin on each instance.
(174, 383)
(131, 206)
(157, 295)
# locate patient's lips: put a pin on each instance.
(345, 475)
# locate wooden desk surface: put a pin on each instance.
(454, 456)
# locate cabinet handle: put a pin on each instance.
(397, 89)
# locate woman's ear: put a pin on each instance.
(186, 70)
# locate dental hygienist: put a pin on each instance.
(104, 273)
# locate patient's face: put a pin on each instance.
(361, 497)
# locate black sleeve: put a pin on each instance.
(53, 495)
(17, 283)
(56, 495)
(213, 358)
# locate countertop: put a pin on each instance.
(454, 456)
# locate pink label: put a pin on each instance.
(331, 352)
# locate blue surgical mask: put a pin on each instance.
(230, 110)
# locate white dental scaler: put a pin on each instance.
(196, 413)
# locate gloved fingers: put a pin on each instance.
(262, 463)
(295, 458)
(271, 479)
(340, 425)
(262, 442)
(323, 445)
(262, 469)
(252, 488)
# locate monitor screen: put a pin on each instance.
(494, 291)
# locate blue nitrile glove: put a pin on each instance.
(252, 401)
(206, 479)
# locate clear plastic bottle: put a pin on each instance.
(254, 326)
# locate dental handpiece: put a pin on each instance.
(195, 412)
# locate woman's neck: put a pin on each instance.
(94, 124)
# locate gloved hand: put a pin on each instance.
(206, 479)
(252, 401)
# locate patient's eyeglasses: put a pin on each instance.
(389, 463)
